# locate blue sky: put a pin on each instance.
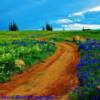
(33, 14)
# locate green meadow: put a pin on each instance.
(56, 35)
(16, 47)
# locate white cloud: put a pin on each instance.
(95, 9)
(63, 21)
(78, 13)
(77, 26)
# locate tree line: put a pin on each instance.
(14, 27)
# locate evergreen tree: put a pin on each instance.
(49, 27)
(13, 27)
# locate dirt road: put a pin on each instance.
(55, 77)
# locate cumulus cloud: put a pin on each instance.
(63, 21)
(95, 9)
(77, 26)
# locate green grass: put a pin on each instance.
(19, 55)
(9, 36)
(56, 35)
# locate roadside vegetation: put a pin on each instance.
(19, 55)
(88, 71)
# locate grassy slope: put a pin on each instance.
(59, 35)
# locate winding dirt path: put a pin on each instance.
(54, 77)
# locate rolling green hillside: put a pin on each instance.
(57, 35)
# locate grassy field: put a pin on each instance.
(56, 35)
(88, 68)
(19, 52)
